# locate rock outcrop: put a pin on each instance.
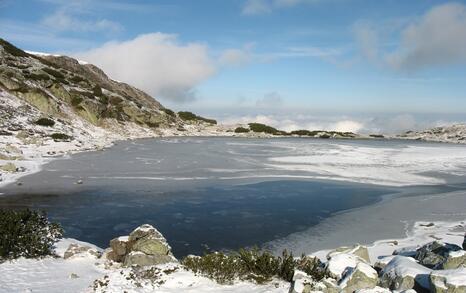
(145, 246)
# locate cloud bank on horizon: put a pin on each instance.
(264, 55)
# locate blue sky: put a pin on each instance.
(338, 64)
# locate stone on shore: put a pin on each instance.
(403, 273)
(363, 276)
(452, 281)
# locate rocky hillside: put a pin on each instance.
(454, 134)
(60, 86)
(51, 105)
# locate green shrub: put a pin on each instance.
(220, 267)
(55, 73)
(168, 112)
(60, 136)
(210, 121)
(76, 100)
(45, 122)
(259, 127)
(187, 116)
(37, 76)
(252, 264)
(303, 132)
(241, 130)
(97, 91)
(11, 49)
(76, 79)
(26, 233)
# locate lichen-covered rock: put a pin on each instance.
(143, 247)
(403, 273)
(439, 255)
(152, 246)
(77, 250)
(137, 258)
(452, 281)
(120, 247)
(363, 276)
(358, 250)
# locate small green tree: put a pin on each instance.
(27, 233)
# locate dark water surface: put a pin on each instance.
(200, 193)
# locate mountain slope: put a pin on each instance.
(52, 105)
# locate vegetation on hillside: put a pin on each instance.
(189, 116)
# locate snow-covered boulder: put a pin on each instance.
(77, 250)
(120, 246)
(302, 283)
(453, 281)
(382, 262)
(358, 250)
(439, 255)
(403, 273)
(340, 263)
(363, 276)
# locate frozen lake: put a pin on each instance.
(226, 193)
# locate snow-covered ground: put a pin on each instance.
(77, 274)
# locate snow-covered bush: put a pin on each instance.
(27, 233)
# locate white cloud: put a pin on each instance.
(270, 100)
(156, 63)
(61, 20)
(290, 122)
(234, 57)
(254, 7)
(368, 40)
(438, 38)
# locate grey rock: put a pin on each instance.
(451, 281)
(363, 276)
(404, 273)
(439, 255)
(136, 258)
(75, 250)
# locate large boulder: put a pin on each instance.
(77, 250)
(357, 250)
(452, 281)
(363, 276)
(404, 273)
(137, 258)
(303, 283)
(439, 255)
(145, 246)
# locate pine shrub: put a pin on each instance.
(27, 233)
(45, 122)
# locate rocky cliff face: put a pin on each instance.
(59, 86)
